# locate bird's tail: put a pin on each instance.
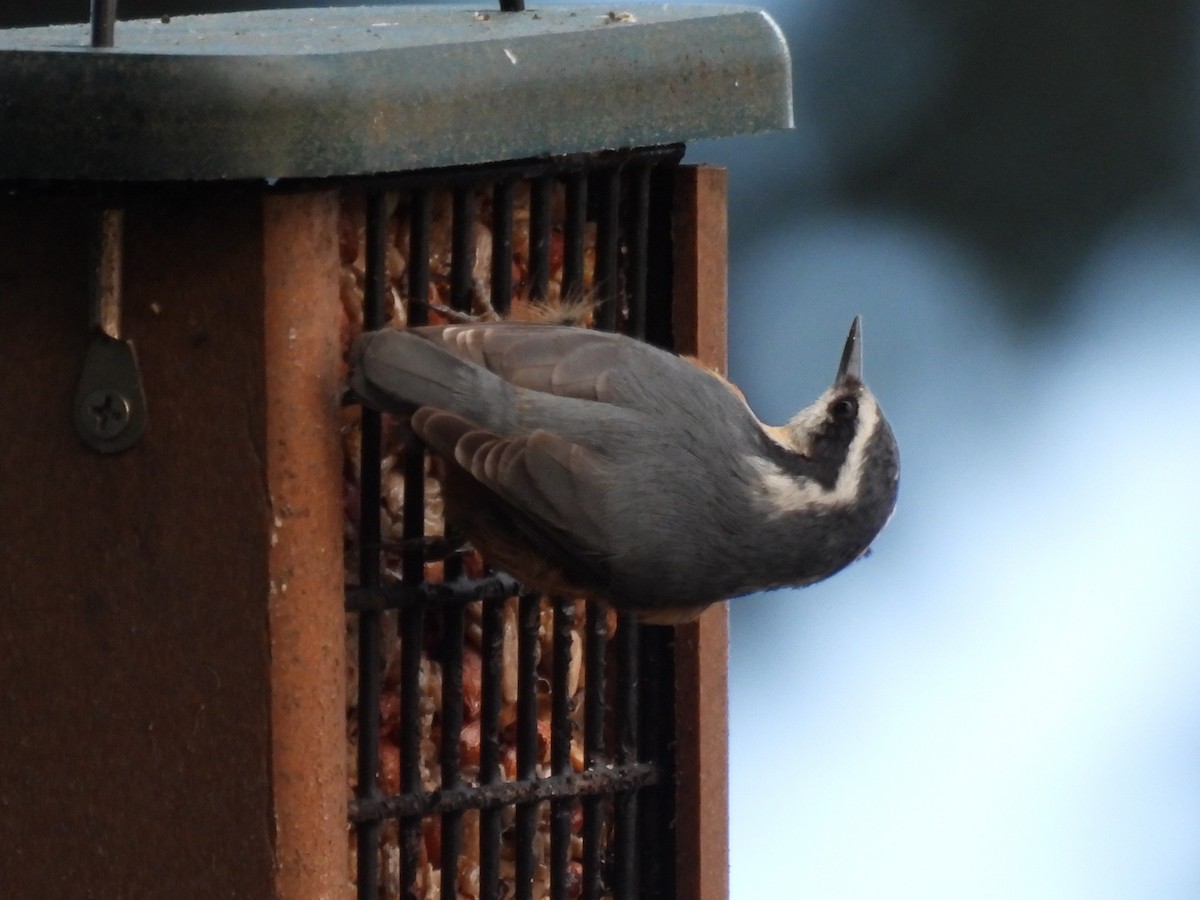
(399, 371)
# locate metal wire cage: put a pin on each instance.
(249, 661)
(594, 227)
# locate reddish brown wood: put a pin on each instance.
(170, 618)
(702, 647)
(133, 618)
(701, 262)
(304, 470)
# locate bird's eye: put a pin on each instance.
(846, 408)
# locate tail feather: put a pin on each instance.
(397, 370)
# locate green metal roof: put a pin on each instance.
(319, 92)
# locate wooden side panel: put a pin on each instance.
(702, 647)
(304, 479)
(134, 665)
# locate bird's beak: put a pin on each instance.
(850, 369)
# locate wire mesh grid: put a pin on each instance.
(506, 744)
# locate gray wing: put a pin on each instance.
(508, 377)
(554, 486)
(583, 364)
(551, 359)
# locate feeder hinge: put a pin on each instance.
(110, 403)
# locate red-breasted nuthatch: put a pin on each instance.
(590, 464)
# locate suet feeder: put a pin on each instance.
(241, 659)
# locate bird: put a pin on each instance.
(590, 464)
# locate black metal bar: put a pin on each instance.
(502, 245)
(526, 792)
(420, 211)
(453, 615)
(608, 232)
(638, 230)
(412, 631)
(656, 732)
(453, 628)
(595, 645)
(574, 232)
(412, 611)
(540, 198)
(369, 675)
(512, 5)
(489, 745)
(461, 252)
(656, 647)
(529, 616)
(104, 22)
(560, 746)
(412, 565)
(376, 286)
(660, 272)
(623, 850)
(461, 590)
(462, 260)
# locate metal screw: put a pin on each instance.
(105, 413)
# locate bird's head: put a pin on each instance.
(838, 452)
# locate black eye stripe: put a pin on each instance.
(828, 444)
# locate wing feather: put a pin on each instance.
(558, 485)
(551, 359)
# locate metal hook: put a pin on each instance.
(110, 402)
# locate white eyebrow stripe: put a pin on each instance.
(785, 493)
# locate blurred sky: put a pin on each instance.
(1002, 701)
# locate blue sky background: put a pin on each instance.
(1002, 701)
